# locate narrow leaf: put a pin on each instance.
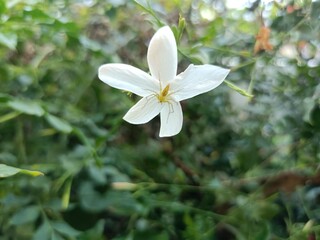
(9, 116)
(59, 124)
(66, 194)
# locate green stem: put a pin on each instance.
(20, 142)
(150, 11)
(252, 82)
(177, 206)
(223, 50)
(238, 89)
(243, 65)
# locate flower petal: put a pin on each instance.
(162, 56)
(196, 80)
(128, 78)
(171, 119)
(144, 110)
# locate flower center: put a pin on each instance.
(163, 95)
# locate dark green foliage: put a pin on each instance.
(242, 167)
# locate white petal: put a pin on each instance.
(128, 78)
(171, 119)
(196, 80)
(162, 56)
(144, 110)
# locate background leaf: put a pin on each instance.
(26, 106)
(7, 171)
(244, 166)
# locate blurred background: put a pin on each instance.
(245, 165)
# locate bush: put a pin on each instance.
(244, 166)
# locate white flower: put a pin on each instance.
(162, 91)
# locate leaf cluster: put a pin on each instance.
(245, 165)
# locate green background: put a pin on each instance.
(241, 168)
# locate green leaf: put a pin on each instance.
(238, 89)
(181, 26)
(9, 116)
(38, 16)
(56, 236)
(315, 8)
(26, 106)
(66, 194)
(25, 215)
(263, 232)
(315, 116)
(43, 232)
(59, 124)
(9, 40)
(4, 98)
(65, 229)
(70, 28)
(7, 171)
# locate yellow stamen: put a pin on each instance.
(163, 94)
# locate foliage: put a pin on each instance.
(7, 171)
(243, 167)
